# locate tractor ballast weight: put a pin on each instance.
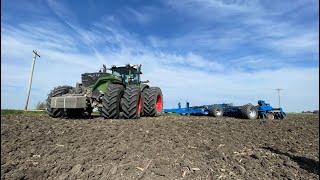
(116, 94)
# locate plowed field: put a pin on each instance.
(166, 147)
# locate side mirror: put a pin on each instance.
(147, 81)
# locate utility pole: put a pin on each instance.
(278, 90)
(35, 54)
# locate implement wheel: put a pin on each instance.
(111, 101)
(58, 91)
(216, 111)
(153, 101)
(249, 111)
(131, 102)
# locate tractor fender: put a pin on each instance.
(144, 86)
(102, 83)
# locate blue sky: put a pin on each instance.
(202, 51)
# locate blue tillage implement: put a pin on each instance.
(262, 110)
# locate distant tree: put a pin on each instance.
(41, 106)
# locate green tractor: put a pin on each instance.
(116, 94)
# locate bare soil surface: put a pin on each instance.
(166, 147)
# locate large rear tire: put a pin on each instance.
(131, 102)
(58, 91)
(153, 101)
(111, 101)
(249, 111)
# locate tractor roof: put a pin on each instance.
(127, 66)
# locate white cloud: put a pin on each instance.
(62, 11)
(297, 43)
(255, 23)
(137, 15)
(215, 9)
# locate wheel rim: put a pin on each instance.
(252, 113)
(159, 103)
(218, 112)
(139, 105)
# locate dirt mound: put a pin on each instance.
(166, 147)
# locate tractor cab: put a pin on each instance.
(130, 74)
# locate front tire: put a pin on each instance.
(111, 101)
(58, 91)
(131, 102)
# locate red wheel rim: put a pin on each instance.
(159, 103)
(139, 105)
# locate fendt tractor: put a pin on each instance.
(116, 94)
